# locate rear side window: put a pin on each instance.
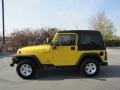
(90, 41)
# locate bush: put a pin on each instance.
(112, 43)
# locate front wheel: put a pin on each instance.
(26, 69)
(90, 67)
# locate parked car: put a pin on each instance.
(83, 49)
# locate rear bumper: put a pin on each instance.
(104, 64)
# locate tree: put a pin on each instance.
(101, 23)
(27, 37)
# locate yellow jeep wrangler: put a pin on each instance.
(83, 49)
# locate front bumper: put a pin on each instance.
(14, 60)
(12, 63)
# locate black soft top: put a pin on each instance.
(88, 39)
(79, 31)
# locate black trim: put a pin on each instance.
(16, 59)
(76, 31)
(12, 63)
(89, 55)
(104, 64)
(65, 66)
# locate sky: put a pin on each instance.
(64, 14)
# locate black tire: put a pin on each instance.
(84, 70)
(31, 64)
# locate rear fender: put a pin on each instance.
(89, 55)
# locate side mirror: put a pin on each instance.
(48, 40)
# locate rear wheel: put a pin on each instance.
(26, 69)
(90, 67)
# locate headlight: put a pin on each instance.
(19, 52)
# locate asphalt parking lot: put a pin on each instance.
(62, 79)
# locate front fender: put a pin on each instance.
(16, 58)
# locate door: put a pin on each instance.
(66, 51)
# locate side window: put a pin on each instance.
(66, 40)
(89, 41)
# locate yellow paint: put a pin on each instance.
(61, 56)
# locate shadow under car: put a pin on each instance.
(111, 71)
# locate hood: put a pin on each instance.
(33, 49)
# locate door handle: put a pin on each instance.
(72, 48)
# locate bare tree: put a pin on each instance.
(27, 37)
(19, 38)
(101, 23)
